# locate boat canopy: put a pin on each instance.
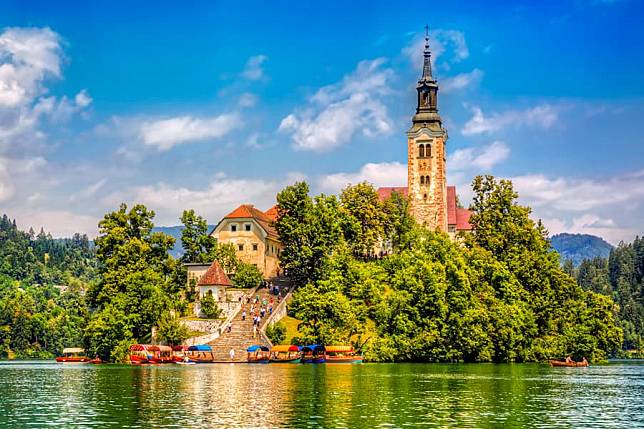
(339, 349)
(256, 347)
(180, 348)
(285, 348)
(160, 348)
(139, 347)
(314, 348)
(73, 350)
(200, 348)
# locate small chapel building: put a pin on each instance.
(431, 201)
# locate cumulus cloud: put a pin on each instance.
(378, 174)
(167, 133)
(590, 224)
(580, 195)
(247, 100)
(214, 201)
(462, 81)
(483, 158)
(253, 69)
(60, 223)
(337, 112)
(544, 116)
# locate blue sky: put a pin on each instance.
(207, 105)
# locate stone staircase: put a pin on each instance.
(241, 335)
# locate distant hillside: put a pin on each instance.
(175, 231)
(578, 247)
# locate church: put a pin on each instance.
(431, 201)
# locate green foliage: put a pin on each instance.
(171, 331)
(135, 288)
(209, 306)
(198, 245)
(276, 333)
(247, 276)
(500, 295)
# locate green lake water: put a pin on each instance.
(39, 394)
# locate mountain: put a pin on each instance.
(175, 231)
(578, 247)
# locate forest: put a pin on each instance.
(366, 274)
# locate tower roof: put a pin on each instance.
(427, 60)
(215, 276)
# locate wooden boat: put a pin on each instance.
(73, 355)
(568, 363)
(161, 354)
(179, 353)
(342, 354)
(200, 353)
(139, 354)
(313, 353)
(285, 354)
(96, 361)
(258, 354)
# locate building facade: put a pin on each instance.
(431, 202)
(254, 237)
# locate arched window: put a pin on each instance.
(428, 150)
(422, 180)
(427, 180)
(425, 197)
(421, 151)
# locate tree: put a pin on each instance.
(247, 276)
(365, 217)
(198, 245)
(209, 306)
(134, 291)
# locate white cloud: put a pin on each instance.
(591, 224)
(83, 99)
(578, 195)
(337, 112)
(247, 100)
(378, 174)
(214, 201)
(462, 81)
(7, 188)
(478, 158)
(448, 45)
(60, 223)
(544, 116)
(253, 69)
(167, 133)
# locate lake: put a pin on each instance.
(43, 394)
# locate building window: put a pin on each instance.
(254, 247)
(247, 227)
(425, 197)
(422, 180)
(421, 151)
(427, 180)
(452, 228)
(240, 247)
(428, 150)
(233, 228)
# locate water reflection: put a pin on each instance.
(333, 395)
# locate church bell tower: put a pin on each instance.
(427, 181)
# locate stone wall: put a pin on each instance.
(428, 202)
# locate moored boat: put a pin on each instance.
(161, 354)
(342, 354)
(285, 354)
(258, 354)
(73, 355)
(139, 354)
(568, 363)
(200, 353)
(313, 353)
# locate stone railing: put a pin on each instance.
(234, 309)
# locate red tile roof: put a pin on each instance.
(215, 276)
(385, 192)
(248, 211)
(463, 219)
(451, 205)
(455, 215)
(272, 213)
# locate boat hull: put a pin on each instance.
(74, 359)
(560, 363)
(294, 360)
(347, 359)
(313, 360)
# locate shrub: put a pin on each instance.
(209, 307)
(276, 333)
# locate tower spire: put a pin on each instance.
(427, 54)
